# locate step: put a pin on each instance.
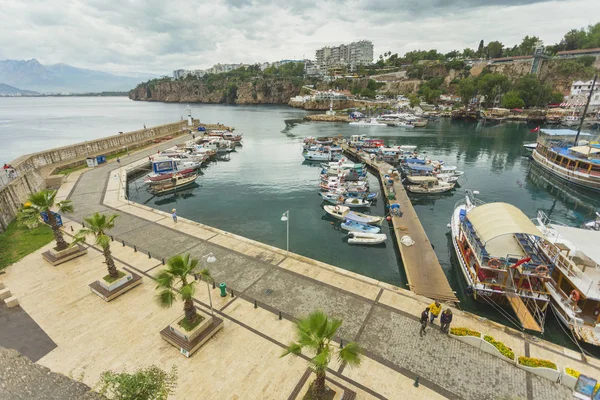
(12, 302)
(5, 294)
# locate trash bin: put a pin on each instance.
(100, 159)
(91, 162)
(223, 288)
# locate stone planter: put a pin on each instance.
(491, 349)
(116, 284)
(568, 380)
(471, 340)
(56, 257)
(551, 374)
(194, 333)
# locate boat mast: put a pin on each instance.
(585, 110)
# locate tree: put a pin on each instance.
(467, 89)
(97, 225)
(315, 334)
(494, 49)
(480, 49)
(512, 100)
(468, 53)
(151, 383)
(176, 274)
(44, 202)
(528, 45)
(414, 100)
(492, 85)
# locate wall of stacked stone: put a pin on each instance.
(29, 179)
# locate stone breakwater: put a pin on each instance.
(34, 170)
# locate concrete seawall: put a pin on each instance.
(33, 170)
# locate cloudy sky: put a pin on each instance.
(158, 36)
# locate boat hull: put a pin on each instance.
(582, 180)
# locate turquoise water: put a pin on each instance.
(267, 176)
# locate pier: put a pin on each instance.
(423, 270)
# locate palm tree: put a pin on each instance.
(43, 202)
(179, 270)
(97, 225)
(315, 333)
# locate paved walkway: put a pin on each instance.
(381, 317)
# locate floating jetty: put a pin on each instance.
(423, 270)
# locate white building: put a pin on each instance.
(351, 55)
(580, 90)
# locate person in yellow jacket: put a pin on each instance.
(435, 309)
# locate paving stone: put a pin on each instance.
(160, 241)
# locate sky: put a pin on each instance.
(154, 36)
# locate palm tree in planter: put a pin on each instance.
(315, 334)
(178, 276)
(44, 201)
(97, 225)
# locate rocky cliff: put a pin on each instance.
(259, 91)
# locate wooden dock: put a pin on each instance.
(423, 270)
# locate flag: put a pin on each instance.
(535, 129)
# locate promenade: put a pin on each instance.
(242, 361)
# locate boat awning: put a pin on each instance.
(562, 132)
(419, 167)
(585, 150)
(498, 219)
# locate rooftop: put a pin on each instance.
(581, 51)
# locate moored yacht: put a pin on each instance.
(501, 258)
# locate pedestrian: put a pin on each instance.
(174, 215)
(445, 320)
(193, 136)
(423, 320)
(118, 160)
(435, 309)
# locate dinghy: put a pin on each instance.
(429, 185)
(366, 238)
(343, 212)
(344, 201)
(353, 226)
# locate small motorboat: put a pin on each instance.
(176, 182)
(370, 122)
(353, 226)
(594, 224)
(429, 185)
(344, 201)
(156, 179)
(530, 146)
(366, 238)
(403, 124)
(344, 213)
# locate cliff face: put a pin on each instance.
(260, 91)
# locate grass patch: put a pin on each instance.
(110, 279)
(18, 241)
(72, 169)
(187, 326)
(536, 363)
(329, 394)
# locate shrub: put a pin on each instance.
(536, 363)
(502, 348)
(464, 332)
(575, 374)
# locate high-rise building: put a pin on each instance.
(350, 55)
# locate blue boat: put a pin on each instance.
(354, 226)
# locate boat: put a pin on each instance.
(499, 253)
(343, 212)
(344, 201)
(594, 224)
(404, 124)
(370, 122)
(570, 120)
(353, 226)
(176, 182)
(530, 146)
(577, 163)
(429, 184)
(156, 179)
(317, 155)
(366, 238)
(574, 284)
(232, 137)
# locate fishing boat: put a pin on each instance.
(317, 155)
(594, 224)
(404, 124)
(343, 212)
(570, 120)
(156, 179)
(366, 238)
(499, 253)
(574, 284)
(353, 226)
(369, 122)
(176, 182)
(429, 185)
(344, 201)
(560, 152)
(232, 137)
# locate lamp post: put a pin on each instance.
(286, 218)
(210, 258)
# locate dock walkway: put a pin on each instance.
(423, 270)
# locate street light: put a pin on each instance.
(210, 258)
(286, 218)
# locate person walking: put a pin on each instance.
(445, 320)
(174, 215)
(435, 309)
(118, 161)
(423, 320)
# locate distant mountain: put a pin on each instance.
(63, 78)
(7, 90)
